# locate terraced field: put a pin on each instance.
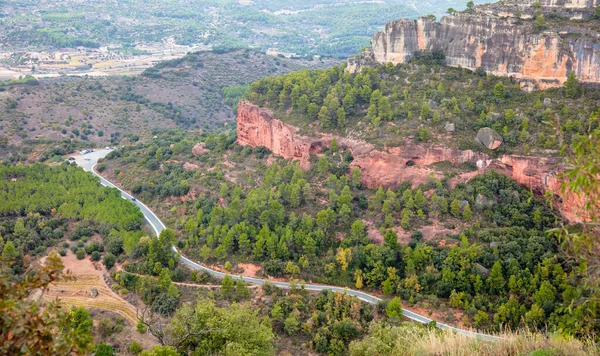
(76, 291)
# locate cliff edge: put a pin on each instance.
(504, 39)
(410, 162)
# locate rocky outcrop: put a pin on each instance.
(393, 165)
(492, 38)
(199, 149)
(257, 127)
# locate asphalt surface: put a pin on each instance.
(89, 161)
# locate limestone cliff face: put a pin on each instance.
(490, 37)
(394, 165)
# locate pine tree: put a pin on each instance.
(499, 91)
(391, 239)
(394, 309)
(325, 118)
(455, 208)
(227, 287)
(341, 118)
(334, 145)
(467, 213)
(425, 111)
(495, 281)
(9, 252)
(572, 86)
(420, 199)
(355, 177)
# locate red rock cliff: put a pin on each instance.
(392, 166)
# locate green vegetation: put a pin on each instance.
(313, 27)
(43, 206)
(387, 104)
(26, 80)
(233, 94)
(497, 268)
(28, 328)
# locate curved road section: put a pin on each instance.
(89, 161)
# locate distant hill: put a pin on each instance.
(322, 27)
(186, 92)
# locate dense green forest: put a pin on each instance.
(495, 264)
(45, 206)
(387, 104)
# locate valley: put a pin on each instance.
(319, 178)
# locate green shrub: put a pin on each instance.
(96, 256)
(135, 348)
(141, 328)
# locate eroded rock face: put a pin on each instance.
(409, 162)
(492, 38)
(257, 127)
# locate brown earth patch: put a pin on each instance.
(75, 291)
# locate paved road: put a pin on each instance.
(88, 161)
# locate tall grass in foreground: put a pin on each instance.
(408, 339)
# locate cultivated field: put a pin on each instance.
(76, 291)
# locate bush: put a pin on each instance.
(96, 256)
(135, 348)
(141, 328)
(80, 254)
(109, 260)
(107, 327)
(62, 252)
(104, 350)
(382, 306)
(164, 304)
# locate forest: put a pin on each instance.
(497, 267)
(387, 104)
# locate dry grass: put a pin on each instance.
(511, 344)
(409, 339)
(76, 292)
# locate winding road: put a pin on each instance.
(89, 161)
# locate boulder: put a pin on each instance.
(482, 270)
(481, 200)
(199, 149)
(93, 292)
(190, 166)
(547, 101)
(450, 127)
(489, 138)
(463, 204)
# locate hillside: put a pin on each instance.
(186, 92)
(437, 194)
(311, 27)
